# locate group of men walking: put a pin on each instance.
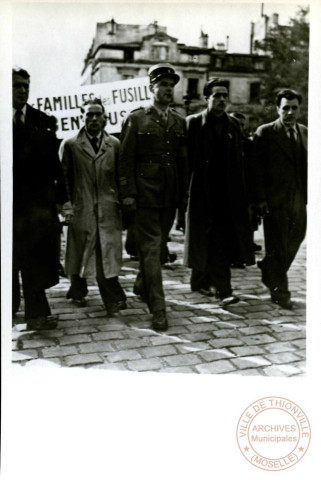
(161, 163)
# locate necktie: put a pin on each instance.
(94, 143)
(292, 138)
(164, 117)
(18, 119)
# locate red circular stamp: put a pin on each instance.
(273, 433)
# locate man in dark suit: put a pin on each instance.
(153, 181)
(280, 192)
(38, 188)
(217, 229)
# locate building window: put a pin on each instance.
(254, 91)
(128, 56)
(127, 76)
(218, 63)
(160, 52)
(192, 88)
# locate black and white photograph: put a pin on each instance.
(160, 239)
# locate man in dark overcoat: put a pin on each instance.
(153, 181)
(38, 188)
(217, 220)
(280, 191)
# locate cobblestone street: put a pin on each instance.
(253, 337)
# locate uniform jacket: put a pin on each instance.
(92, 189)
(200, 215)
(38, 186)
(153, 159)
(274, 170)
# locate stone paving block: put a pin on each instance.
(82, 360)
(226, 333)
(301, 353)
(225, 342)
(158, 351)
(73, 316)
(122, 355)
(220, 366)
(254, 330)
(80, 329)
(299, 343)
(110, 327)
(58, 351)
(172, 315)
(282, 357)
(258, 315)
(301, 365)
(288, 327)
(37, 343)
(202, 327)
(245, 351)
(181, 360)
(253, 361)
(174, 321)
(191, 347)
(73, 339)
(145, 364)
(133, 311)
(198, 337)
(95, 347)
(290, 336)
(259, 308)
(258, 339)
(233, 324)
(164, 339)
(114, 335)
(281, 370)
(218, 354)
(109, 366)
(130, 343)
(24, 355)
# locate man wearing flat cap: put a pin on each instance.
(153, 182)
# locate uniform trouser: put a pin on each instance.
(110, 290)
(152, 229)
(217, 272)
(36, 303)
(284, 231)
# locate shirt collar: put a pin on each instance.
(161, 112)
(291, 127)
(92, 136)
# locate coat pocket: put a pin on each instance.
(148, 183)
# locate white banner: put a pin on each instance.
(119, 98)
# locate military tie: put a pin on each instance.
(163, 115)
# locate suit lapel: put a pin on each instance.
(281, 138)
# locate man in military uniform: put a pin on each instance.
(153, 182)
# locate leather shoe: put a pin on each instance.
(282, 302)
(159, 323)
(79, 302)
(230, 300)
(42, 323)
(209, 292)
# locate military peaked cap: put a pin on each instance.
(162, 70)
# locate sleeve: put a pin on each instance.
(127, 158)
(67, 168)
(257, 166)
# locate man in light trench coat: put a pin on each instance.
(94, 243)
